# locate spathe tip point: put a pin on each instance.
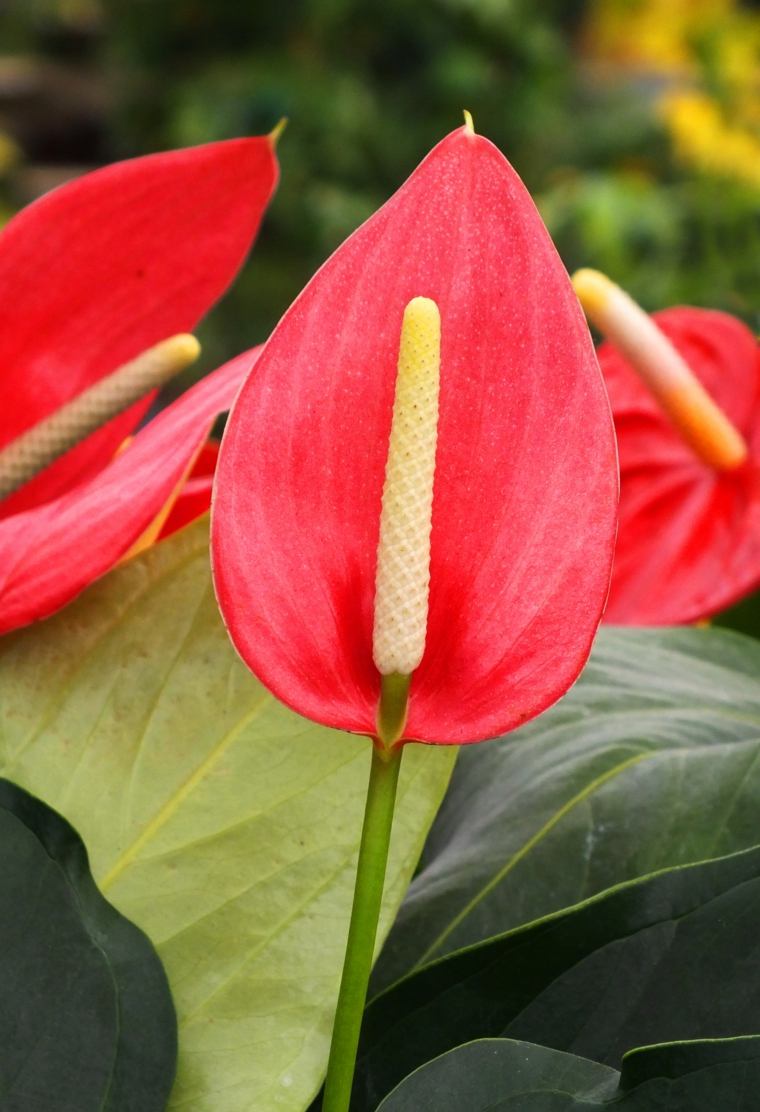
(277, 131)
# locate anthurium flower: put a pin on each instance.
(92, 275)
(503, 435)
(684, 391)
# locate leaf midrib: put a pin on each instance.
(173, 803)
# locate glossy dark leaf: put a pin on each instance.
(652, 760)
(670, 957)
(87, 1022)
(744, 617)
(496, 1075)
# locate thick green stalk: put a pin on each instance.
(362, 931)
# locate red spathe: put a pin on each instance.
(195, 497)
(525, 486)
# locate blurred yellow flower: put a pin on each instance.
(704, 139)
(654, 34)
(708, 53)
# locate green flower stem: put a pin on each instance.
(362, 931)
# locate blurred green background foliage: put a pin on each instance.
(634, 123)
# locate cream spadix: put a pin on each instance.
(403, 555)
(46, 441)
(701, 423)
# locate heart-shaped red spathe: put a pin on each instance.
(49, 553)
(689, 536)
(525, 489)
(104, 267)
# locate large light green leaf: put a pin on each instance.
(652, 760)
(220, 822)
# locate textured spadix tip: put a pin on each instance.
(592, 289)
(469, 126)
(403, 554)
(176, 353)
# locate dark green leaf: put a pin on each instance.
(671, 957)
(496, 1075)
(743, 616)
(87, 1022)
(651, 761)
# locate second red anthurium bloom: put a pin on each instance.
(524, 489)
(91, 276)
(684, 387)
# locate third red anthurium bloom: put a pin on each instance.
(684, 386)
(494, 472)
(92, 277)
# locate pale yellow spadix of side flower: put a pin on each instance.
(41, 445)
(701, 423)
(403, 555)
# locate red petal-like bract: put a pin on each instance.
(102, 268)
(689, 537)
(51, 552)
(525, 486)
(195, 497)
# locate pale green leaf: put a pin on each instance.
(221, 823)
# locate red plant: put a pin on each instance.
(91, 275)
(689, 536)
(525, 489)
